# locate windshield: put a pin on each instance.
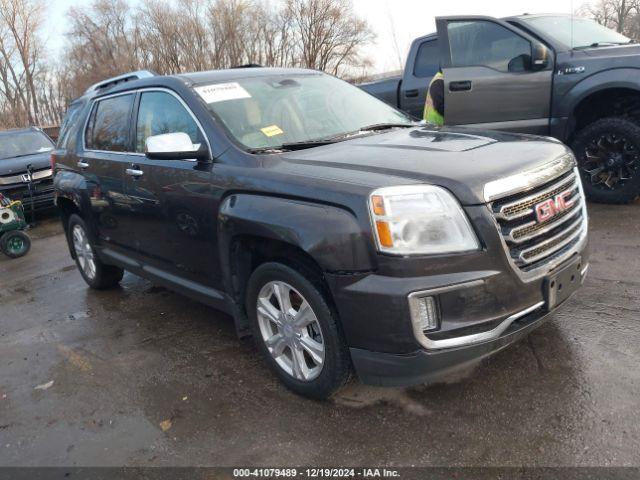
(585, 32)
(19, 144)
(273, 110)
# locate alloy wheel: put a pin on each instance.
(290, 330)
(84, 252)
(609, 161)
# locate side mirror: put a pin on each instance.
(540, 56)
(175, 146)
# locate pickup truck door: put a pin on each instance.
(489, 78)
(422, 64)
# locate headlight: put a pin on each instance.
(419, 219)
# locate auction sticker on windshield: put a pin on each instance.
(272, 131)
(221, 92)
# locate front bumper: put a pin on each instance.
(423, 366)
(484, 305)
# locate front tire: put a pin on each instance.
(297, 330)
(97, 274)
(608, 155)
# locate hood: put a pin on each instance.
(459, 159)
(18, 165)
(622, 51)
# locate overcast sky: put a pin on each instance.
(411, 18)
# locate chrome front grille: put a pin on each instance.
(531, 243)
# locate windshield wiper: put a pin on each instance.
(385, 126)
(292, 146)
(601, 44)
(326, 141)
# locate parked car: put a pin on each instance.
(25, 170)
(330, 225)
(556, 75)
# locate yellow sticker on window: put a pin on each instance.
(272, 131)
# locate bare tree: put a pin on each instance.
(21, 54)
(328, 33)
(616, 14)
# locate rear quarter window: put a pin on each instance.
(108, 126)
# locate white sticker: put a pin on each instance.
(220, 92)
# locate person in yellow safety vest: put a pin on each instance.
(434, 106)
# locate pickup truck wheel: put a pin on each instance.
(97, 274)
(297, 331)
(608, 154)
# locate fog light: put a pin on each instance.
(424, 313)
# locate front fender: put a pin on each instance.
(330, 235)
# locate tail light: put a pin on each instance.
(53, 159)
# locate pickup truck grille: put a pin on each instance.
(532, 242)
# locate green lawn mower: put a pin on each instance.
(14, 243)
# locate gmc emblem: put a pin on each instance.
(553, 206)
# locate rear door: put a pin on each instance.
(175, 208)
(422, 64)
(489, 82)
(106, 155)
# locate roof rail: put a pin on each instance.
(248, 65)
(126, 77)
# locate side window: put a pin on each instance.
(160, 113)
(69, 122)
(485, 43)
(108, 127)
(428, 59)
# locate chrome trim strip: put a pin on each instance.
(529, 179)
(38, 175)
(476, 337)
(134, 92)
(544, 230)
(548, 253)
(542, 193)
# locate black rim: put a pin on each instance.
(609, 161)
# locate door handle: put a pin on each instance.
(411, 93)
(82, 164)
(133, 172)
(462, 86)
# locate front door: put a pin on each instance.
(489, 79)
(174, 206)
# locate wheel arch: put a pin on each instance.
(314, 238)
(603, 94)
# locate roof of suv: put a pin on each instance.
(240, 73)
(145, 78)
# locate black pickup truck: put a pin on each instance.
(327, 223)
(556, 75)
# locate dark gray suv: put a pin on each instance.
(337, 231)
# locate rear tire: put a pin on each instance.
(608, 155)
(302, 342)
(15, 244)
(97, 274)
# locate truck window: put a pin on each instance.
(485, 43)
(160, 113)
(108, 127)
(428, 59)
